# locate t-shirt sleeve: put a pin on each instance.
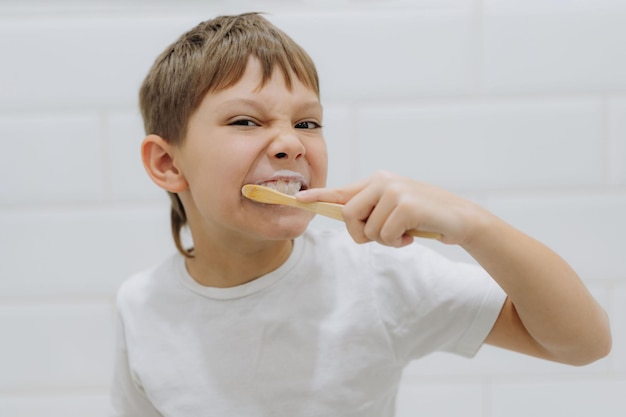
(429, 303)
(127, 397)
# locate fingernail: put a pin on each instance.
(301, 193)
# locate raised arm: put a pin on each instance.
(549, 313)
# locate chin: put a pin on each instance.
(286, 229)
(276, 222)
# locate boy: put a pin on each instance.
(264, 317)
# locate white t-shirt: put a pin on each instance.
(328, 333)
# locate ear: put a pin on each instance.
(158, 160)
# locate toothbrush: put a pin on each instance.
(268, 195)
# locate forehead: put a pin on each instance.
(255, 82)
(252, 94)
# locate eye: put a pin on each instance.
(243, 122)
(308, 125)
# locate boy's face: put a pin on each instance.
(251, 135)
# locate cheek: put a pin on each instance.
(230, 163)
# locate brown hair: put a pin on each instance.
(212, 57)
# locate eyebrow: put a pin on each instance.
(257, 105)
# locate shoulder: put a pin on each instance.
(334, 242)
(145, 285)
(386, 266)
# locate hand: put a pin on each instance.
(384, 207)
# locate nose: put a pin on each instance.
(287, 145)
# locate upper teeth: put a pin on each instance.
(285, 186)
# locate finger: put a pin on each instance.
(367, 212)
(330, 195)
(390, 220)
(373, 210)
(394, 230)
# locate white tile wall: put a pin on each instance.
(560, 398)
(584, 228)
(341, 143)
(93, 405)
(491, 144)
(372, 45)
(72, 60)
(78, 251)
(619, 328)
(48, 345)
(617, 145)
(543, 47)
(50, 157)
(519, 105)
(440, 400)
(128, 180)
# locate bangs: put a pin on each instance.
(229, 58)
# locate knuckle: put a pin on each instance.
(383, 175)
(370, 232)
(388, 238)
(355, 229)
(358, 236)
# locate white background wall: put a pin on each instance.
(517, 104)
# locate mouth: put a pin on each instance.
(285, 183)
(285, 187)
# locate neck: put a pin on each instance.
(223, 267)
